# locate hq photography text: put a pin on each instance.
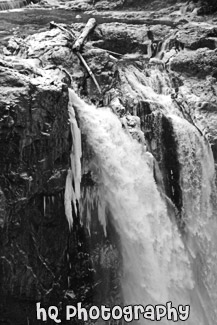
(127, 313)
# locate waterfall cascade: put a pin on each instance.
(12, 4)
(160, 264)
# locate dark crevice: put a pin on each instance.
(172, 166)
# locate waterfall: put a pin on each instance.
(199, 205)
(158, 266)
(12, 4)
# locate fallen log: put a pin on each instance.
(78, 44)
(89, 71)
(91, 24)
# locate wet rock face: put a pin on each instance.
(198, 7)
(118, 4)
(201, 63)
(124, 38)
(196, 35)
(207, 7)
(121, 37)
(34, 145)
(143, 3)
(40, 259)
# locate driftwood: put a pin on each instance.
(72, 35)
(79, 42)
(91, 24)
(89, 71)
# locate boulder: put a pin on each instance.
(199, 63)
(198, 35)
(125, 38)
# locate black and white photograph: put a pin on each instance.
(108, 161)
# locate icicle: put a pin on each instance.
(73, 179)
(68, 198)
(92, 199)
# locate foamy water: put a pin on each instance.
(157, 265)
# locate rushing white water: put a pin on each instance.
(12, 4)
(199, 207)
(157, 265)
